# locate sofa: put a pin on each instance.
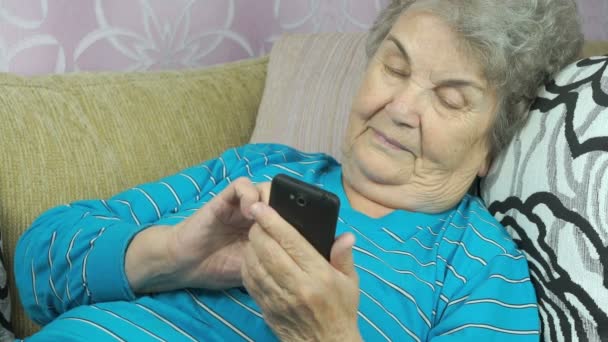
(90, 135)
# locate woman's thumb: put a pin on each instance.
(342, 255)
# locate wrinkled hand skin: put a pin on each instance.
(204, 251)
(209, 245)
(302, 296)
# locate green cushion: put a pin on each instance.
(70, 137)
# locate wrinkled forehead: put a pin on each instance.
(430, 42)
(470, 20)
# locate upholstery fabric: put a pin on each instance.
(311, 82)
(550, 189)
(80, 136)
(595, 48)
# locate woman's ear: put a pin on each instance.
(485, 166)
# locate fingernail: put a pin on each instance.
(248, 213)
(257, 209)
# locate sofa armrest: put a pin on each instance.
(90, 135)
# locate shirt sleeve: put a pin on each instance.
(74, 254)
(498, 304)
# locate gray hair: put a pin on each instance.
(520, 44)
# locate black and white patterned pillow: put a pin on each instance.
(550, 189)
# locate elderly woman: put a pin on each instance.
(201, 256)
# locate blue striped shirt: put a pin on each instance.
(455, 275)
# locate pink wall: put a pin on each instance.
(42, 36)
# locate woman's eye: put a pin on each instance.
(395, 71)
(451, 99)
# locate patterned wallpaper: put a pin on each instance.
(42, 36)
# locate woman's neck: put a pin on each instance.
(377, 199)
(363, 204)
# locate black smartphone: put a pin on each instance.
(310, 209)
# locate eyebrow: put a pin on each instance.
(457, 83)
(392, 38)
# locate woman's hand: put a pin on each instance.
(302, 296)
(204, 251)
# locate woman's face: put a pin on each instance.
(423, 112)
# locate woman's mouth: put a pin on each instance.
(388, 142)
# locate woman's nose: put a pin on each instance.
(405, 108)
(403, 113)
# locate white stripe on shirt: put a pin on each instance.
(218, 317)
(503, 304)
(146, 331)
(198, 189)
(430, 263)
(50, 259)
(401, 291)
(156, 209)
(67, 257)
(508, 280)
(166, 321)
(373, 325)
(491, 327)
(243, 305)
(116, 337)
(288, 170)
(86, 258)
(466, 251)
(177, 200)
(451, 268)
(407, 331)
(361, 250)
(210, 175)
(130, 210)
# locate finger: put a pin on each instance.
(288, 238)
(248, 281)
(250, 285)
(242, 193)
(255, 278)
(246, 195)
(264, 189)
(342, 255)
(275, 260)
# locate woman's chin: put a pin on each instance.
(380, 168)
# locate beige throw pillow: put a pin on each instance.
(310, 84)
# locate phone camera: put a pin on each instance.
(301, 201)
